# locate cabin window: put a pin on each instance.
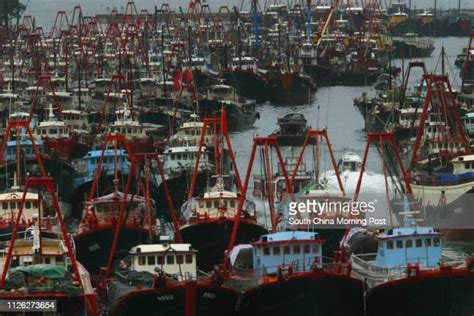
(232, 203)
(216, 204)
(52, 131)
(141, 260)
(12, 205)
(179, 259)
(306, 249)
(151, 260)
(276, 251)
(409, 243)
(266, 251)
(286, 250)
(47, 260)
(28, 204)
(389, 244)
(418, 243)
(467, 165)
(316, 248)
(399, 244)
(5, 205)
(160, 260)
(208, 204)
(170, 259)
(428, 242)
(178, 156)
(172, 157)
(436, 242)
(189, 258)
(296, 249)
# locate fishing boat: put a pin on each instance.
(58, 138)
(302, 179)
(289, 86)
(241, 112)
(190, 133)
(42, 265)
(411, 46)
(411, 268)
(164, 278)
(209, 222)
(292, 129)
(244, 75)
(96, 229)
(10, 203)
(178, 166)
(126, 124)
(285, 272)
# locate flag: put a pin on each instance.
(177, 80)
(188, 75)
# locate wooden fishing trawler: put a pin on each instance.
(21, 154)
(302, 179)
(96, 229)
(126, 124)
(410, 46)
(411, 268)
(164, 278)
(440, 166)
(244, 75)
(101, 211)
(43, 266)
(285, 272)
(240, 111)
(292, 129)
(209, 222)
(289, 85)
(190, 133)
(58, 138)
(10, 201)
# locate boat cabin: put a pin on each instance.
(463, 164)
(350, 162)
(244, 63)
(10, 205)
(198, 64)
(469, 123)
(183, 158)
(400, 246)
(106, 208)
(177, 260)
(218, 203)
(190, 133)
(26, 148)
(86, 167)
(126, 125)
(299, 249)
(53, 252)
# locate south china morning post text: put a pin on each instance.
(326, 212)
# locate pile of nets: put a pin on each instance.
(42, 278)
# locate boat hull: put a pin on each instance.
(211, 239)
(93, 246)
(443, 293)
(313, 293)
(200, 298)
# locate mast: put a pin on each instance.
(79, 64)
(163, 57)
(443, 72)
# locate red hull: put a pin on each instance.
(64, 147)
